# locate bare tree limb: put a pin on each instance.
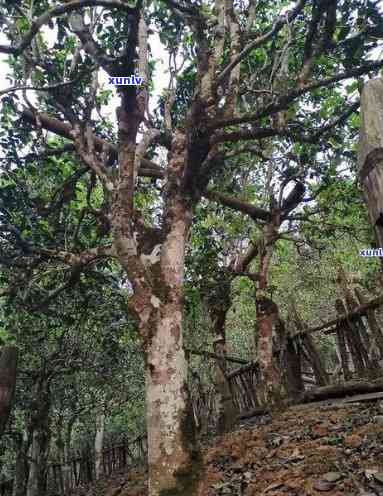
(238, 205)
(242, 262)
(12, 89)
(85, 146)
(89, 44)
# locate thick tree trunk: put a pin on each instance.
(174, 462)
(99, 443)
(8, 369)
(371, 152)
(169, 421)
(156, 274)
(268, 390)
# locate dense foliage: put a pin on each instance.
(239, 150)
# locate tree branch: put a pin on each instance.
(85, 146)
(240, 206)
(148, 168)
(36, 88)
(193, 11)
(278, 25)
(81, 259)
(285, 100)
(243, 261)
(89, 44)
(267, 132)
(58, 11)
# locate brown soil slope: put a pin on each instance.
(312, 450)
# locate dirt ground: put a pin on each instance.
(307, 451)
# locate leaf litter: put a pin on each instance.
(306, 451)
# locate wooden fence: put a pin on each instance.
(243, 386)
(358, 340)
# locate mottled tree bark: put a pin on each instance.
(169, 422)
(171, 436)
(8, 369)
(157, 304)
(269, 389)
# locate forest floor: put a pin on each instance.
(308, 450)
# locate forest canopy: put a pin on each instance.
(149, 230)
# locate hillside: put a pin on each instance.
(306, 451)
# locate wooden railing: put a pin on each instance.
(358, 344)
(243, 388)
